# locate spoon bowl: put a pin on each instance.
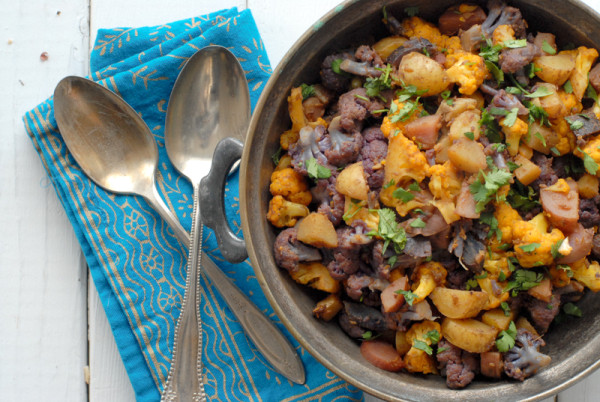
(111, 144)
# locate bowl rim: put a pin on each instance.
(245, 216)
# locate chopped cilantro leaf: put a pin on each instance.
(554, 249)
(374, 86)
(417, 223)
(414, 186)
(409, 297)
(307, 91)
(357, 96)
(590, 92)
(511, 117)
(419, 344)
(470, 135)
(555, 151)
(495, 70)
(568, 87)
(484, 191)
(489, 219)
(315, 170)
(505, 308)
(276, 157)
(489, 126)
(540, 93)
(335, 67)
(403, 195)
(572, 309)
(546, 47)
(515, 43)
(540, 137)
(506, 339)
(389, 230)
(389, 184)
(589, 163)
(567, 270)
(530, 248)
(433, 336)
(575, 124)
(523, 280)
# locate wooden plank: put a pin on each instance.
(42, 284)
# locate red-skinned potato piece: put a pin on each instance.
(382, 354)
(460, 17)
(492, 364)
(465, 203)
(390, 300)
(581, 244)
(424, 130)
(562, 208)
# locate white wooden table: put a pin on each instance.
(55, 342)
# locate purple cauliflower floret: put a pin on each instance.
(307, 147)
(346, 256)
(332, 80)
(525, 359)
(501, 14)
(289, 251)
(506, 101)
(341, 148)
(374, 150)
(458, 365)
(330, 202)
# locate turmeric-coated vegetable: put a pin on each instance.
(284, 213)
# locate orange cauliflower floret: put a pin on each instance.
(532, 242)
(467, 70)
(425, 278)
(583, 63)
(587, 273)
(291, 185)
(506, 217)
(417, 360)
(503, 33)
(445, 185)
(284, 213)
(566, 142)
(592, 149)
(297, 116)
(399, 117)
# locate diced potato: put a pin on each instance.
(528, 171)
(316, 276)
(497, 319)
(467, 155)
(455, 303)
(402, 343)
(555, 69)
(424, 73)
(441, 149)
(466, 122)
(328, 308)
(317, 231)
(583, 64)
(588, 186)
(352, 182)
(525, 151)
(469, 334)
(523, 323)
(494, 300)
(543, 291)
(541, 138)
(552, 103)
(387, 45)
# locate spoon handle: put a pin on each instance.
(156, 201)
(185, 375)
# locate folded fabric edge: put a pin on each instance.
(141, 377)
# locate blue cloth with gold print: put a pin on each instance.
(137, 264)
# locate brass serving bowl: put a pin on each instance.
(574, 346)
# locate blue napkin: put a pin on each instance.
(136, 263)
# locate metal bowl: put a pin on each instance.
(574, 345)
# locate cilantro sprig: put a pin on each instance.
(389, 230)
(487, 186)
(506, 338)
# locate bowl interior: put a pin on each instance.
(574, 346)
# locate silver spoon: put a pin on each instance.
(115, 148)
(209, 108)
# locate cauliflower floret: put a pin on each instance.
(567, 140)
(525, 359)
(297, 116)
(513, 135)
(426, 277)
(503, 33)
(533, 244)
(291, 185)
(284, 213)
(592, 149)
(587, 273)
(445, 185)
(506, 217)
(467, 70)
(417, 360)
(398, 118)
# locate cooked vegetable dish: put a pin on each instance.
(439, 189)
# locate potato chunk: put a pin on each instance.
(467, 155)
(424, 73)
(352, 182)
(555, 69)
(328, 308)
(471, 335)
(317, 231)
(316, 276)
(455, 303)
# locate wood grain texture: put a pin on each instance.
(43, 348)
